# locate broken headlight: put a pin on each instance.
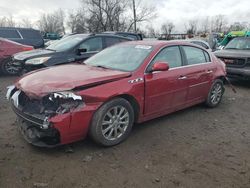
(65, 102)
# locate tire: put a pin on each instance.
(112, 122)
(215, 94)
(8, 69)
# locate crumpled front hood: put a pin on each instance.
(32, 53)
(66, 77)
(233, 53)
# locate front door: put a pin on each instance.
(166, 90)
(89, 47)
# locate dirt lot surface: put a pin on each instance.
(197, 147)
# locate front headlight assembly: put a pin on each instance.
(66, 101)
(37, 61)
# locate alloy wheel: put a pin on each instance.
(115, 122)
(216, 93)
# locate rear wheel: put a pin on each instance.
(8, 68)
(215, 95)
(113, 122)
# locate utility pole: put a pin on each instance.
(134, 16)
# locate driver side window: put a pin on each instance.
(93, 44)
(171, 55)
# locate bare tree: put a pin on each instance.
(151, 32)
(218, 23)
(77, 22)
(26, 23)
(104, 15)
(167, 29)
(141, 13)
(205, 25)
(53, 22)
(191, 28)
(7, 21)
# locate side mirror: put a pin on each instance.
(160, 66)
(80, 51)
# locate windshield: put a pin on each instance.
(239, 44)
(66, 43)
(125, 57)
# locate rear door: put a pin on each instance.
(199, 71)
(166, 90)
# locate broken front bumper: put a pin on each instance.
(59, 129)
(32, 131)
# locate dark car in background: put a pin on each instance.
(26, 36)
(236, 56)
(133, 36)
(70, 49)
(7, 49)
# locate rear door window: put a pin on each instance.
(9, 33)
(194, 55)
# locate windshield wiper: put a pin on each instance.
(101, 66)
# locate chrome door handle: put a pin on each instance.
(182, 78)
(209, 71)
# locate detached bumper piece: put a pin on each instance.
(37, 136)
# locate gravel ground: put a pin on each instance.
(196, 147)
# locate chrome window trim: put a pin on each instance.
(183, 66)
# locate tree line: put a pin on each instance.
(114, 15)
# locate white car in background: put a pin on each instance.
(202, 43)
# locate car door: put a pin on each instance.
(199, 71)
(88, 48)
(165, 91)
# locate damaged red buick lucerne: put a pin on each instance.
(103, 97)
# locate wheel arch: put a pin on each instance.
(222, 78)
(133, 102)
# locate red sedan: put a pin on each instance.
(7, 49)
(125, 84)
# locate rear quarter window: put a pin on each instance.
(9, 33)
(30, 34)
(195, 55)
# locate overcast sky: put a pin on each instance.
(177, 11)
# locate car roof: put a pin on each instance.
(99, 34)
(156, 43)
(18, 28)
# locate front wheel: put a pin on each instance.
(112, 123)
(8, 68)
(215, 94)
